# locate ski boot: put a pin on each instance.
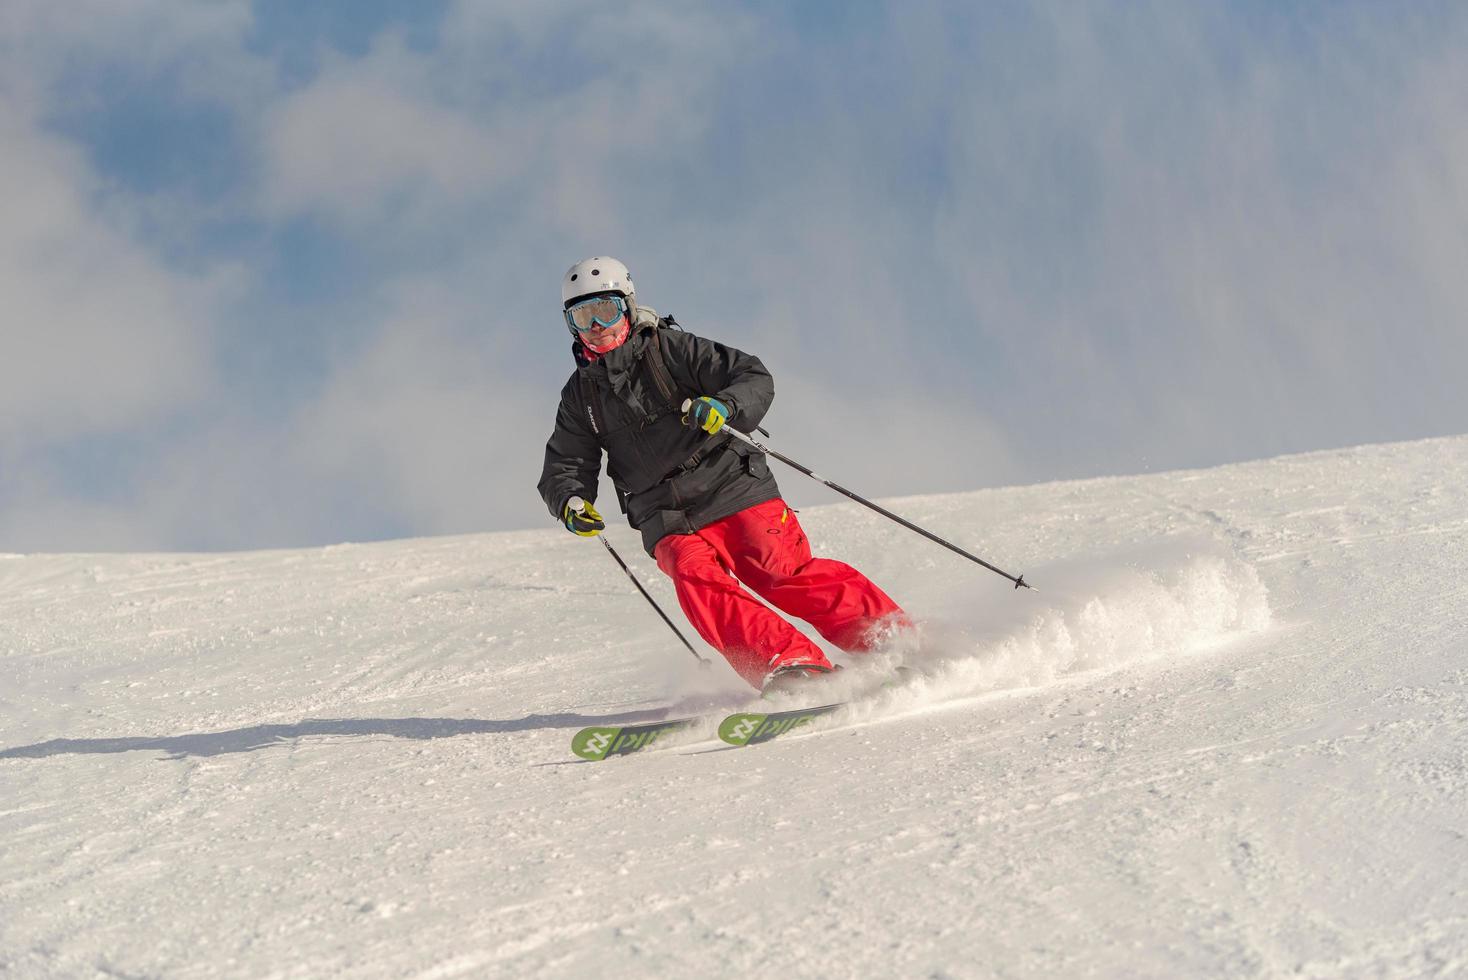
(794, 678)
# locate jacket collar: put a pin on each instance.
(617, 363)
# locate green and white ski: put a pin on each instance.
(751, 728)
(745, 728)
(597, 743)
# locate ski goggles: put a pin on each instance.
(596, 313)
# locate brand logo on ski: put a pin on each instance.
(592, 743)
(773, 727)
(632, 741)
(745, 727)
(596, 744)
(752, 729)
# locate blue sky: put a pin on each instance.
(288, 274)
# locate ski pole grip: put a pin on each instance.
(687, 404)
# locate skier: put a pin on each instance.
(707, 505)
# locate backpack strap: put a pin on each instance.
(657, 364)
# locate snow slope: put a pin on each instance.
(1229, 736)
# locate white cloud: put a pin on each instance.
(424, 422)
(366, 141)
(96, 335)
(1227, 254)
(43, 41)
(149, 31)
(402, 135)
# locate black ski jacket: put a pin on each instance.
(672, 478)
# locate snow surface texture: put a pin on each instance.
(1229, 736)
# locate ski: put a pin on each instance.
(751, 728)
(599, 742)
(744, 728)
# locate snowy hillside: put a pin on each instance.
(1228, 736)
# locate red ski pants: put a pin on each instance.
(764, 548)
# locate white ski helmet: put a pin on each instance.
(598, 274)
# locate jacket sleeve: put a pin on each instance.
(732, 376)
(572, 458)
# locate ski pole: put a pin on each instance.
(703, 661)
(1019, 582)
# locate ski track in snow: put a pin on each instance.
(1228, 737)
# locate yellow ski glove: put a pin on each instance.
(581, 518)
(709, 414)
